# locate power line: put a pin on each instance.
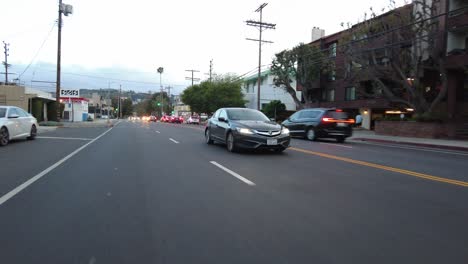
(192, 78)
(38, 51)
(110, 79)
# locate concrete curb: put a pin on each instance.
(45, 129)
(427, 145)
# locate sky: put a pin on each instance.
(108, 43)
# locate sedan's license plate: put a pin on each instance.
(271, 142)
(341, 124)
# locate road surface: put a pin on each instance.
(156, 193)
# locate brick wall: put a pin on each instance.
(413, 129)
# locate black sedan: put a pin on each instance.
(241, 128)
(316, 123)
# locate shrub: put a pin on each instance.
(50, 123)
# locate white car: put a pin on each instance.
(16, 123)
(193, 120)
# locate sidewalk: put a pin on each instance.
(95, 123)
(370, 136)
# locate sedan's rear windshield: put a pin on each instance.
(2, 112)
(246, 114)
(337, 115)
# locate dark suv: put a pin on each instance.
(316, 123)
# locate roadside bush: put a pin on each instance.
(50, 123)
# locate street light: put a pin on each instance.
(160, 71)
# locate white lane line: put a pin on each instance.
(24, 185)
(85, 139)
(337, 145)
(175, 141)
(414, 148)
(158, 132)
(233, 173)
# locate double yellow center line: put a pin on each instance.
(382, 167)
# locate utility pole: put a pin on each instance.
(261, 26)
(168, 88)
(211, 71)
(192, 78)
(5, 50)
(160, 71)
(66, 10)
(120, 102)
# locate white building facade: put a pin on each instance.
(268, 92)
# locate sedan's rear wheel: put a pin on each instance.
(33, 133)
(4, 136)
(208, 139)
(310, 134)
(230, 143)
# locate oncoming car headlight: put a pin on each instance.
(245, 131)
(285, 131)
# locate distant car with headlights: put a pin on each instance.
(242, 128)
(15, 123)
(314, 123)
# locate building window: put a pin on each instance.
(350, 93)
(331, 95)
(332, 75)
(332, 72)
(332, 49)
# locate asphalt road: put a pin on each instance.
(156, 193)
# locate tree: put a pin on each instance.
(303, 63)
(401, 55)
(127, 107)
(274, 108)
(207, 97)
(194, 96)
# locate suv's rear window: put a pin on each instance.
(336, 115)
(2, 112)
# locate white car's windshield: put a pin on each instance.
(2, 112)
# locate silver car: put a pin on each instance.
(16, 123)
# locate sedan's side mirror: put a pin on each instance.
(221, 119)
(272, 119)
(13, 116)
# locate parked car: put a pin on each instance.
(104, 117)
(193, 120)
(16, 123)
(316, 123)
(242, 128)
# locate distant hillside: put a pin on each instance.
(113, 93)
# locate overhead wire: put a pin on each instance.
(38, 51)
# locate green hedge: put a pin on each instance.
(50, 123)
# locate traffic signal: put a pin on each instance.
(159, 104)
